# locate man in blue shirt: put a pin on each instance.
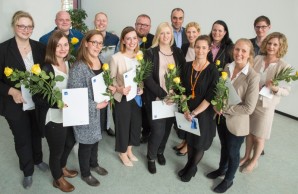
(177, 18)
(63, 23)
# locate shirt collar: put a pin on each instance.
(244, 69)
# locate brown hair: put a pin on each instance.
(20, 14)
(251, 50)
(83, 52)
(125, 31)
(52, 46)
(204, 37)
(262, 18)
(282, 51)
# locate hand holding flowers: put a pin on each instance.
(285, 74)
(143, 70)
(108, 82)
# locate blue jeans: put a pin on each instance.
(230, 150)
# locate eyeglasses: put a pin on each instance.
(23, 27)
(142, 25)
(260, 27)
(95, 43)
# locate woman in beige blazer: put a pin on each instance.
(235, 125)
(128, 116)
(268, 65)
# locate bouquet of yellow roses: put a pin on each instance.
(143, 70)
(286, 75)
(38, 82)
(108, 82)
(220, 99)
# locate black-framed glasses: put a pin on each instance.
(142, 25)
(23, 27)
(260, 27)
(95, 43)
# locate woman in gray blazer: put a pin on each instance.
(268, 65)
(235, 124)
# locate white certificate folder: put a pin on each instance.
(161, 110)
(99, 88)
(185, 125)
(76, 111)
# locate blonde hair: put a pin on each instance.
(159, 28)
(283, 49)
(193, 24)
(20, 14)
(251, 49)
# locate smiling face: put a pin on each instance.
(192, 34)
(165, 36)
(101, 22)
(130, 41)
(201, 49)
(218, 32)
(241, 53)
(63, 21)
(62, 48)
(273, 46)
(177, 19)
(23, 28)
(94, 45)
(142, 26)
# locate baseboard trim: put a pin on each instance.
(287, 115)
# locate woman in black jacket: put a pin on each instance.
(161, 54)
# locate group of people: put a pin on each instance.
(249, 64)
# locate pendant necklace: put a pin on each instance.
(193, 85)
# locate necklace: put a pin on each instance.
(166, 54)
(193, 85)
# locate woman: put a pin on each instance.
(268, 65)
(192, 30)
(60, 139)
(21, 53)
(235, 124)
(128, 117)
(87, 66)
(262, 25)
(161, 54)
(201, 76)
(221, 44)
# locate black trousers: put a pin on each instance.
(27, 141)
(104, 118)
(128, 123)
(61, 141)
(145, 123)
(87, 158)
(160, 132)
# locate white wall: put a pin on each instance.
(239, 15)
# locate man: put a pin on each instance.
(63, 23)
(110, 43)
(177, 18)
(143, 26)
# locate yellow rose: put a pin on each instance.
(8, 71)
(217, 62)
(171, 66)
(36, 69)
(144, 39)
(105, 67)
(224, 75)
(139, 56)
(177, 80)
(74, 41)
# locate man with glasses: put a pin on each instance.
(261, 25)
(143, 26)
(63, 23)
(177, 18)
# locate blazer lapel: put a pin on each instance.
(16, 53)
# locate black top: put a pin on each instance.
(204, 89)
(148, 44)
(224, 54)
(96, 72)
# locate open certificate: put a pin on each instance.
(99, 88)
(234, 99)
(77, 110)
(128, 81)
(161, 110)
(186, 125)
(29, 105)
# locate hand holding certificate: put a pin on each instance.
(99, 88)
(161, 110)
(185, 125)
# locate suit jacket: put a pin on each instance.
(282, 91)
(118, 68)
(184, 48)
(11, 57)
(184, 37)
(148, 44)
(247, 88)
(224, 55)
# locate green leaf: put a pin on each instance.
(59, 78)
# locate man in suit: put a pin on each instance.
(143, 26)
(63, 22)
(177, 18)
